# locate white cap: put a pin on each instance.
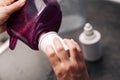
(89, 35)
(88, 29)
(47, 39)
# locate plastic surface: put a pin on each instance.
(35, 18)
(4, 42)
(47, 39)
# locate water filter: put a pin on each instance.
(48, 39)
(90, 43)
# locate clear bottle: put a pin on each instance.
(90, 43)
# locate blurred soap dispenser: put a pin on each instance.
(90, 43)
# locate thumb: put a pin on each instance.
(15, 6)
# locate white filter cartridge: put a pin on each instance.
(47, 39)
(90, 43)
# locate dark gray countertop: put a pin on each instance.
(105, 17)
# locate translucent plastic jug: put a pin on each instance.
(35, 18)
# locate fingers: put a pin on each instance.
(52, 56)
(14, 6)
(2, 28)
(61, 53)
(5, 2)
(79, 51)
(76, 45)
(73, 49)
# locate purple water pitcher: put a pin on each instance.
(35, 18)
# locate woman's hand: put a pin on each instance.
(7, 7)
(67, 65)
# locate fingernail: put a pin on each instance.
(71, 39)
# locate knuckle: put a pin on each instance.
(73, 48)
(83, 66)
(59, 48)
(68, 68)
(51, 54)
(59, 73)
(76, 66)
(80, 51)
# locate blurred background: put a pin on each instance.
(104, 15)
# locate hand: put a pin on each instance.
(67, 65)
(7, 7)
